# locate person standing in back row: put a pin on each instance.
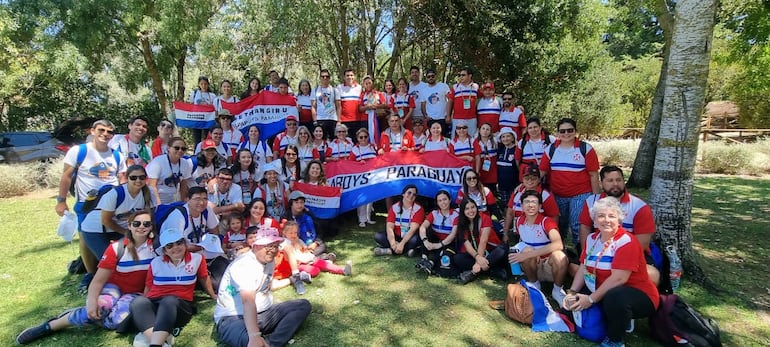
(434, 103)
(326, 105)
(462, 97)
(350, 98)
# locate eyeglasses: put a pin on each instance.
(469, 178)
(224, 178)
(271, 247)
(103, 130)
(324, 76)
(198, 199)
(178, 148)
(139, 177)
(137, 224)
(567, 131)
(177, 243)
(462, 128)
(289, 154)
(363, 137)
(530, 202)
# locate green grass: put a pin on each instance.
(386, 303)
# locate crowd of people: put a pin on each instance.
(228, 220)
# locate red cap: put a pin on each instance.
(208, 143)
(488, 85)
(291, 117)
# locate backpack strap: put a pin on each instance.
(121, 249)
(551, 151)
(121, 192)
(82, 151)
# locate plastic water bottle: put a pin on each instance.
(675, 270)
(445, 261)
(515, 267)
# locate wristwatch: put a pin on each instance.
(59, 199)
(257, 334)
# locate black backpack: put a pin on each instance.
(678, 324)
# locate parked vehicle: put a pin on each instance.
(26, 146)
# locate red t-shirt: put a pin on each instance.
(568, 169)
(127, 274)
(403, 217)
(177, 280)
(486, 222)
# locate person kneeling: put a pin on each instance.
(542, 257)
(245, 307)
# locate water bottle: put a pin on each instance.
(675, 270)
(515, 267)
(445, 261)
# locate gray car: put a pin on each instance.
(26, 146)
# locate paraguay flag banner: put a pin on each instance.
(323, 202)
(386, 176)
(193, 116)
(266, 110)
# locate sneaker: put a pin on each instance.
(411, 253)
(380, 251)
(141, 341)
(362, 225)
(348, 271)
(169, 340)
(608, 343)
(371, 222)
(33, 333)
(84, 283)
(331, 257)
(498, 273)
(630, 327)
(305, 277)
(425, 265)
(558, 294)
(297, 283)
(467, 277)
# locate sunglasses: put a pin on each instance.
(507, 99)
(177, 243)
(291, 154)
(341, 131)
(567, 131)
(462, 75)
(139, 177)
(178, 148)
(469, 178)
(430, 76)
(137, 224)
(166, 125)
(103, 130)
(324, 76)
(291, 124)
(363, 137)
(225, 178)
(462, 128)
(225, 117)
(409, 193)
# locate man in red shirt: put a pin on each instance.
(462, 97)
(350, 94)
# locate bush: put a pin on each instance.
(52, 173)
(717, 157)
(616, 152)
(18, 179)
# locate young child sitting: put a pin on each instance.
(309, 262)
(235, 236)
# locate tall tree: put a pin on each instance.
(641, 175)
(683, 102)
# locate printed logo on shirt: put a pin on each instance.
(189, 268)
(101, 170)
(433, 99)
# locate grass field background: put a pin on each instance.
(387, 303)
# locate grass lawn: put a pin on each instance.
(386, 303)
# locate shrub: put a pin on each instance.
(52, 173)
(616, 152)
(18, 179)
(717, 157)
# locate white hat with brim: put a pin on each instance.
(168, 236)
(211, 243)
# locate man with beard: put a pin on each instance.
(513, 116)
(132, 145)
(639, 220)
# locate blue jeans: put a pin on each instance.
(569, 215)
(97, 242)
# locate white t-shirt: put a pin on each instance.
(259, 152)
(233, 195)
(196, 226)
(168, 176)
(325, 102)
(243, 179)
(219, 99)
(129, 150)
(245, 273)
(202, 98)
(232, 138)
(93, 221)
(96, 170)
(435, 99)
(417, 91)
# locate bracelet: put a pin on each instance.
(256, 334)
(590, 300)
(571, 292)
(59, 199)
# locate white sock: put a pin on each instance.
(293, 272)
(555, 287)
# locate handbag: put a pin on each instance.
(517, 304)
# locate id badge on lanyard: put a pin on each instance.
(486, 165)
(590, 280)
(467, 103)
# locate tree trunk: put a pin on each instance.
(683, 102)
(152, 68)
(641, 175)
(180, 63)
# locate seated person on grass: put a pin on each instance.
(438, 233)
(305, 221)
(404, 218)
(118, 280)
(307, 261)
(246, 313)
(541, 256)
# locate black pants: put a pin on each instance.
(496, 257)
(354, 126)
(330, 126)
(382, 241)
(620, 305)
(280, 322)
(161, 314)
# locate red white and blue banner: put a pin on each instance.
(194, 116)
(323, 202)
(386, 175)
(266, 110)
(544, 318)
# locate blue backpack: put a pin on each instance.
(93, 198)
(82, 151)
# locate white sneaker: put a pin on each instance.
(371, 222)
(362, 225)
(348, 270)
(169, 340)
(141, 341)
(630, 327)
(558, 294)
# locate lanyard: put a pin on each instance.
(177, 175)
(607, 245)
